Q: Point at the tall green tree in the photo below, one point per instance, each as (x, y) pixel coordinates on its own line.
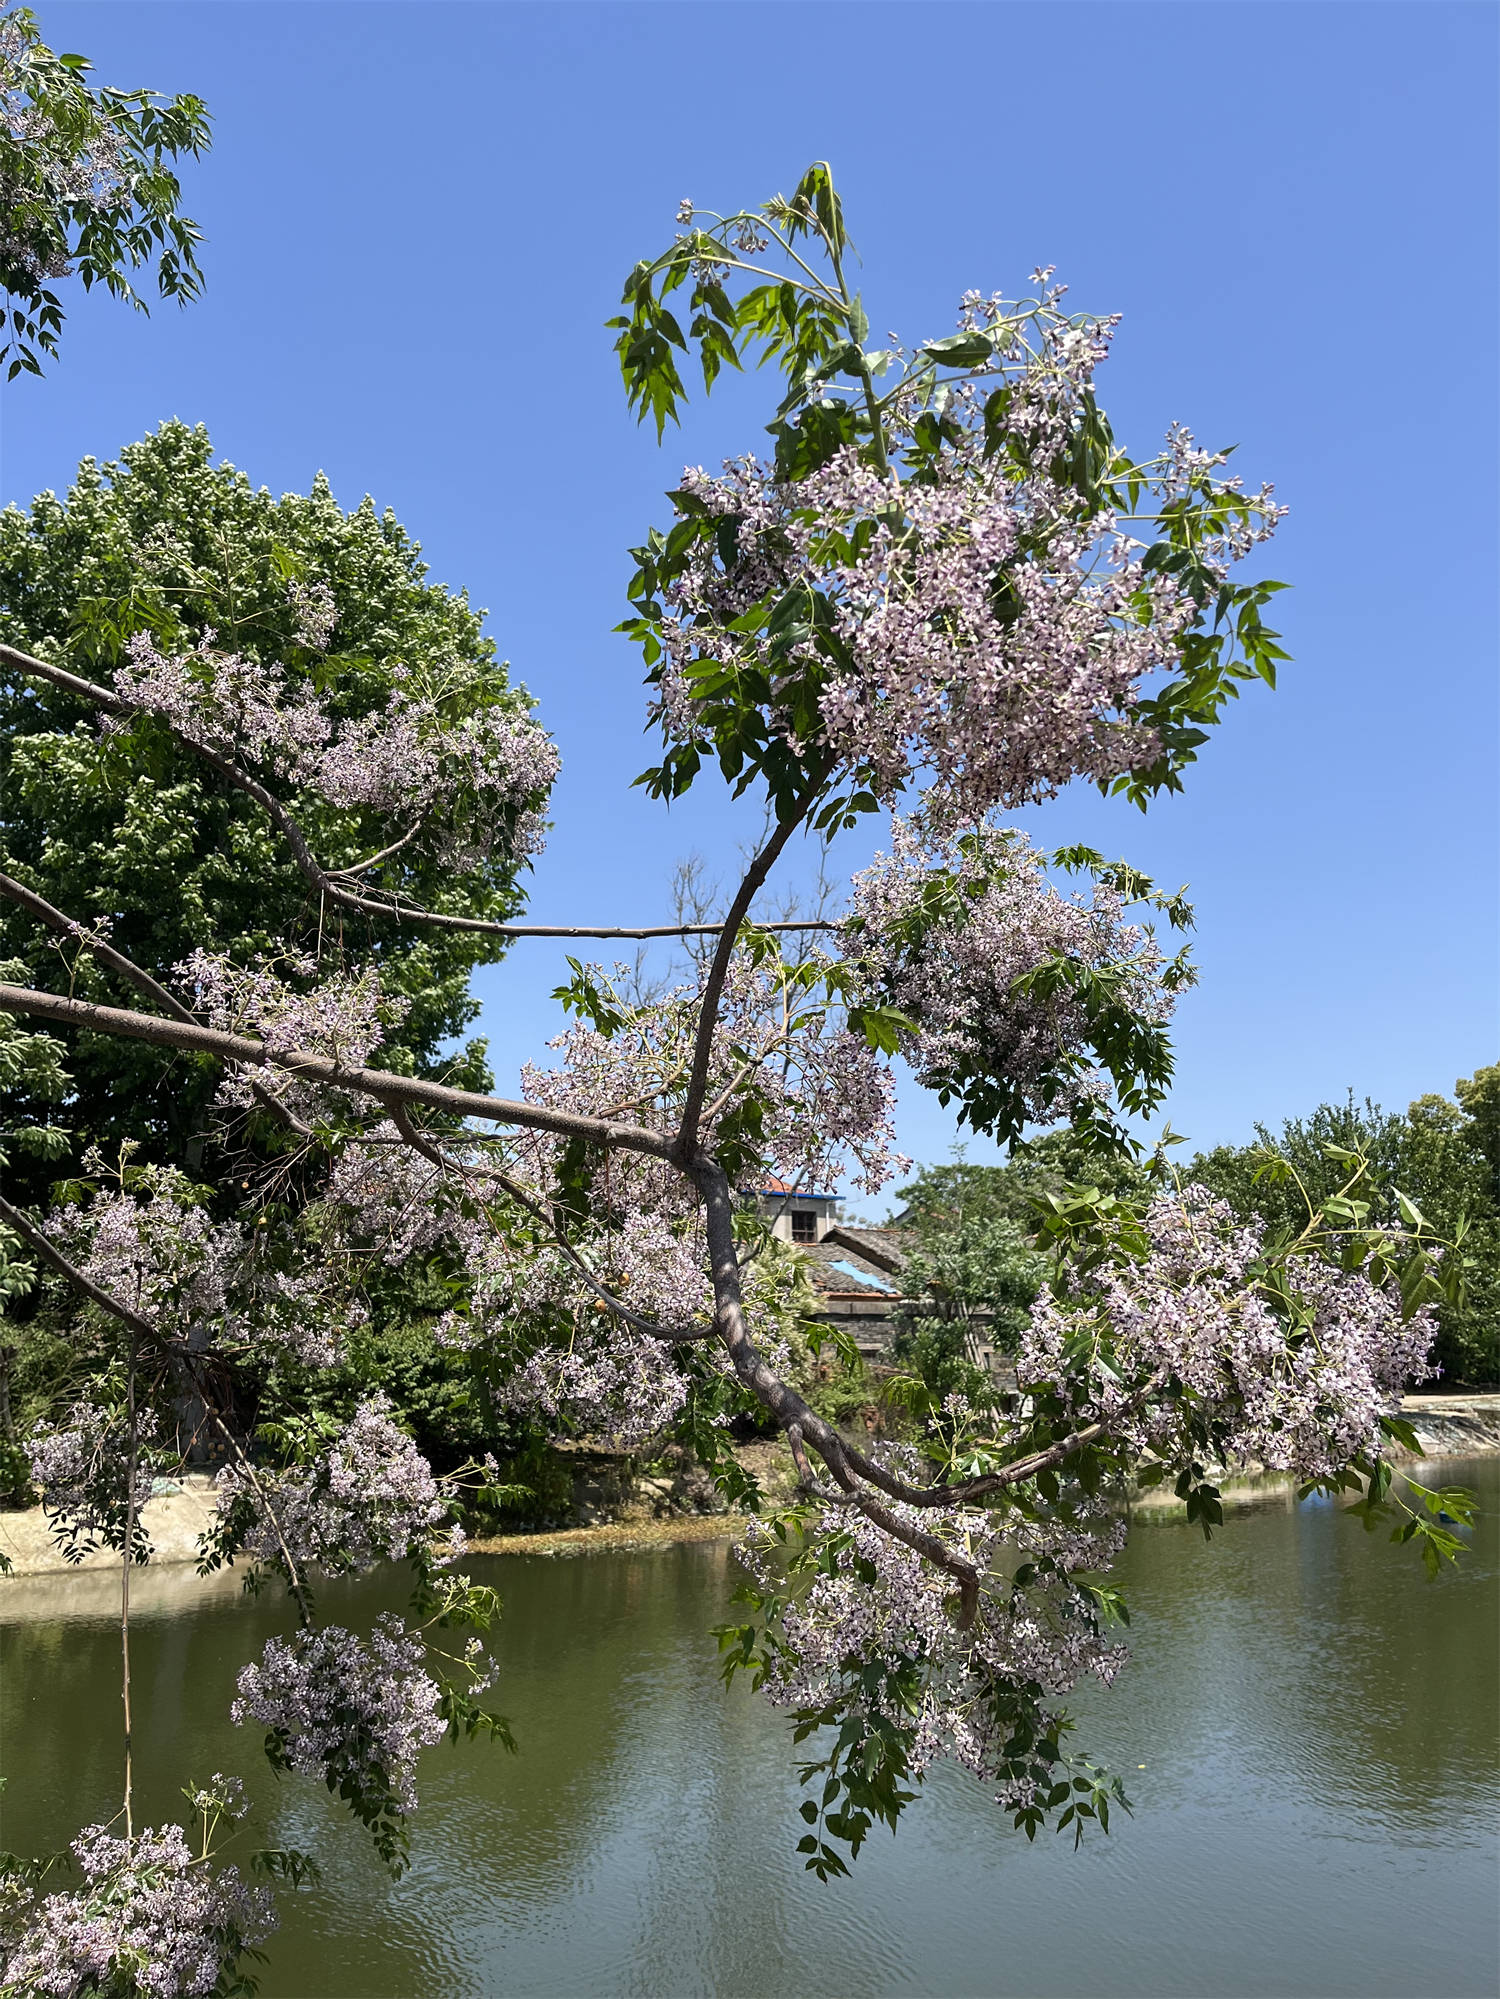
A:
(146, 843)
(1442, 1155)
(973, 1268)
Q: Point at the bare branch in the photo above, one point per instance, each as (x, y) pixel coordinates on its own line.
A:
(328, 881)
(91, 941)
(718, 971)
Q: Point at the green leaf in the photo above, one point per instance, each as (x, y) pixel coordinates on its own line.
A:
(961, 350)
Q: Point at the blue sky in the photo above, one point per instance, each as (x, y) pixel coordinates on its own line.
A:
(418, 215)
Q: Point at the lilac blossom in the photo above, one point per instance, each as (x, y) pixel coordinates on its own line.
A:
(982, 628)
(340, 1015)
(83, 171)
(1303, 1395)
(80, 1466)
(150, 1917)
(203, 1283)
(224, 702)
(162, 1256)
(342, 1708)
(953, 970)
(482, 775)
(608, 1384)
(291, 1006)
(870, 1626)
(826, 1098)
(369, 1497)
(391, 1198)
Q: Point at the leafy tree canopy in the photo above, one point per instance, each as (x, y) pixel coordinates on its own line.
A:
(1441, 1155)
(145, 842)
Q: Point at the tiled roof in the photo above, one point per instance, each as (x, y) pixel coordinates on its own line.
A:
(862, 1263)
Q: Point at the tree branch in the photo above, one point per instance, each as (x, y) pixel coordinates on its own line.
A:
(327, 881)
(420, 1142)
(718, 971)
(98, 947)
(379, 1084)
(89, 940)
(55, 1259)
(143, 1328)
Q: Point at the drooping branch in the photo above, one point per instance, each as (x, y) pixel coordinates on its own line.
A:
(331, 883)
(844, 1460)
(377, 1084)
(56, 1260)
(512, 1188)
(139, 1327)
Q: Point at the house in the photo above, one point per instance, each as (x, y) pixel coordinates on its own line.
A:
(855, 1270)
(794, 1216)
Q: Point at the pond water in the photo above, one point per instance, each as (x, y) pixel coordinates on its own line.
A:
(1317, 1813)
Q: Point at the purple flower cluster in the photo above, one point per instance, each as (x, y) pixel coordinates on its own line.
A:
(953, 969)
(163, 1257)
(984, 627)
(79, 1468)
(339, 1015)
(340, 1706)
(613, 1383)
(1303, 1393)
(483, 775)
(390, 1198)
(825, 1098)
(871, 1622)
(149, 1918)
(1002, 705)
(370, 1497)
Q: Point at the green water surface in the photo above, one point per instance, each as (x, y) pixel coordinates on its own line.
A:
(1317, 1813)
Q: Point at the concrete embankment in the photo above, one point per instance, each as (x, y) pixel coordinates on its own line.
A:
(174, 1517)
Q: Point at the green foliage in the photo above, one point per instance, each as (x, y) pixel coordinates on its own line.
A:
(768, 287)
(1439, 1155)
(87, 188)
(442, 1398)
(974, 1269)
(868, 1727)
(134, 830)
(960, 1192)
(827, 1368)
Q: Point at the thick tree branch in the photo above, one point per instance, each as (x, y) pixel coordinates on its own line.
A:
(718, 971)
(89, 940)
(378, 1084)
